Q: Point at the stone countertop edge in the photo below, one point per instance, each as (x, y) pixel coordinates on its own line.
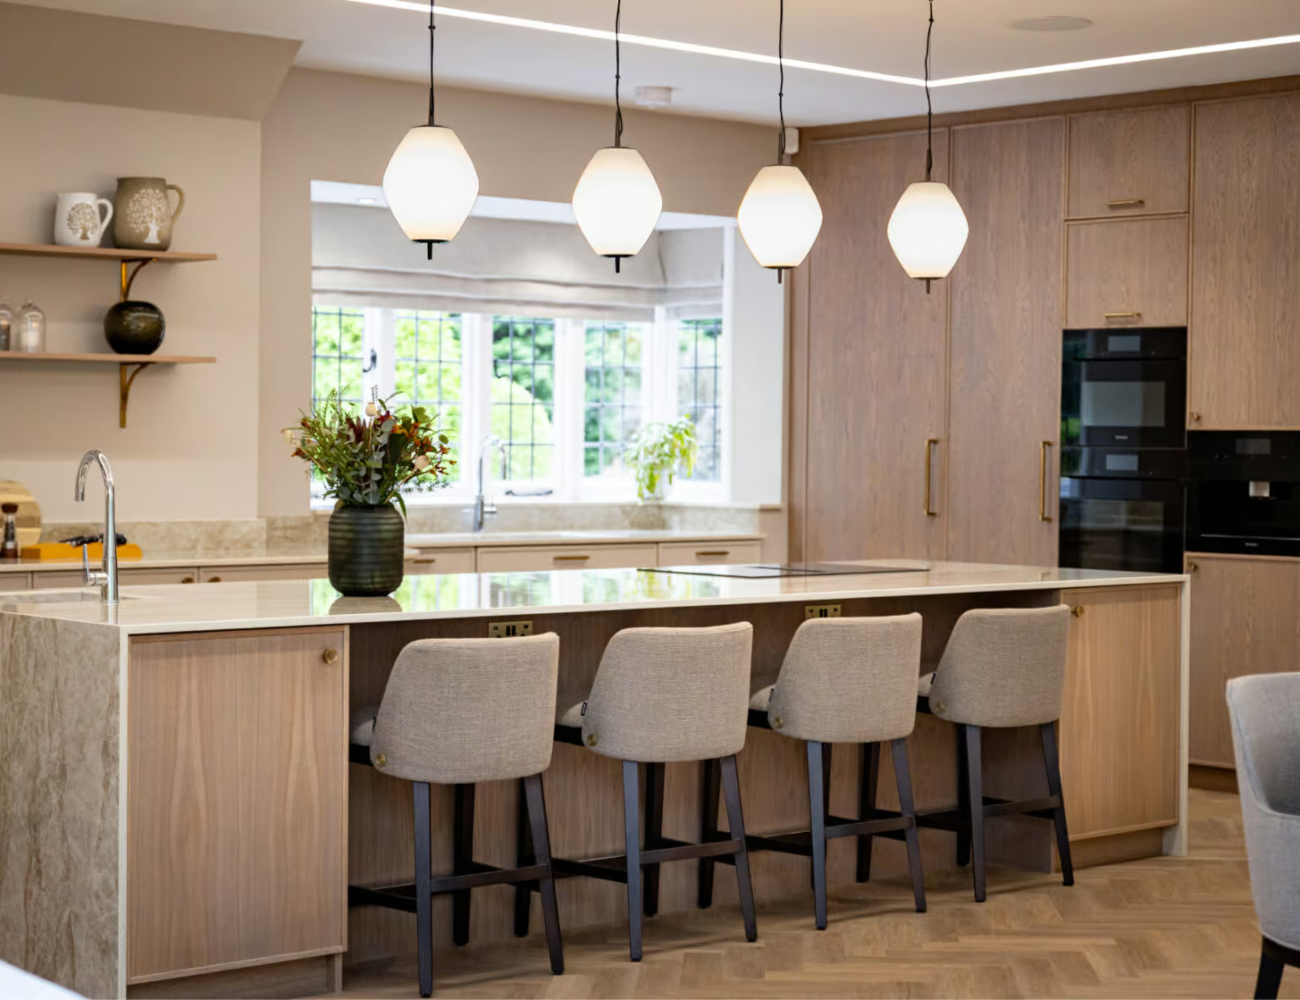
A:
(292, 614)
(414, 544)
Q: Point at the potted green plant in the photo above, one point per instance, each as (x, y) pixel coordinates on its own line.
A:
(656, 454)
(367, 464)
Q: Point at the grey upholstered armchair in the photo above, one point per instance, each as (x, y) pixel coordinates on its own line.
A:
(1265, 712)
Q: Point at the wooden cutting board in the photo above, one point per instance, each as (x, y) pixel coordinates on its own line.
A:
(29, 512)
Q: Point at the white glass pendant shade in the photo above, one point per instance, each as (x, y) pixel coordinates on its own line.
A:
(430, 184)
(780, 217)
(928, 230)
(617, 202)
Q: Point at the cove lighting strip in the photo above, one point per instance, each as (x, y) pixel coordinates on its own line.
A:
(648, 41)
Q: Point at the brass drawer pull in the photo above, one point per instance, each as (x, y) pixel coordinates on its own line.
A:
(721, 553)
(930, 444)
(570, 558)
(214, 579)
(1191, 566)
(1077, 611)
(1042, 482)
(1126, 203)
(330, 657)
(1194, 417)
(187, 579)
(424, 562)
(1122, 315)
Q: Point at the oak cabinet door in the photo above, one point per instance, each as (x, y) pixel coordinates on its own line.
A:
(1129, 273)
(709, 553)
(872, 367)
(1121, 715)
(1244, 621)
(503, 559)
(1129, 162)
(1005, 358)
(1245, 351)
(237, 800)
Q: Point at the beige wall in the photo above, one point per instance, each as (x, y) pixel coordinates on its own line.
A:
(190, 450)
(340, 127)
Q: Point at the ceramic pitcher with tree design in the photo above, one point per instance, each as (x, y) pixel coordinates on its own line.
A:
(143, 215)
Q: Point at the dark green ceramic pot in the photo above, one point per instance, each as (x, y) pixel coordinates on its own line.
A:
(134, 327)
(366, 545)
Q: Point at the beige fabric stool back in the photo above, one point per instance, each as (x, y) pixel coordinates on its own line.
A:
(1003, 667)
(849, 680)
(671, 694)
(461, 711)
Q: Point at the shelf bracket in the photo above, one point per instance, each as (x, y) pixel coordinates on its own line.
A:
(126, 380)
(128, 278)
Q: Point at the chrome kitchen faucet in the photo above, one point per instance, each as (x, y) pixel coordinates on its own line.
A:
(106, 577)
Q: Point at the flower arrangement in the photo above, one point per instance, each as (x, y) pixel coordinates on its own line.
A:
(657, 452)
(373, 460)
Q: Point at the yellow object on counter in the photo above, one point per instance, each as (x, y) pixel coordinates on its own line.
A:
(59, 551)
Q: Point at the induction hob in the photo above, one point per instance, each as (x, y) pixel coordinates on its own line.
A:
(764, 571)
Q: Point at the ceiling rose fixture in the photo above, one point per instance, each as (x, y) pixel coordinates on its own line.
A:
(928, 228)
(780, 216)
(653, 97)
(617, 202)
(430, 184)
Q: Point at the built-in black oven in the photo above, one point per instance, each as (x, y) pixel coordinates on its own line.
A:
(1124, 388)
(1245, 494)
(1122, 509)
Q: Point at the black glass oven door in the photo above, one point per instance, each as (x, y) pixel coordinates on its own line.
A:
(1122, 524)
(1124, 404)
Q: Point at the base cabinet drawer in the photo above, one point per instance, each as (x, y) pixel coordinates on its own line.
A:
(15, 581)
(146, 577)
(440, 561)
(534, 558)
(709, 553)
(237, 574)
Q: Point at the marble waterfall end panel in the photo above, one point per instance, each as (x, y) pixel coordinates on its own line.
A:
(59, 777)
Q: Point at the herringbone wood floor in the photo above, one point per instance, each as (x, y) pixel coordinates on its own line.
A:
(1166, 927)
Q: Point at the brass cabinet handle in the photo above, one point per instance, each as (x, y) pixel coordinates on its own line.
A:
(1194, 417)
(929, 452)
(1042, 482)
(570, 558)
(1191, 566)
(187, 579)
(214, 579)
(719, 554)
(330, 657)
(1077, 611)
(1122, 315)
(424, 562)
(1126, 203)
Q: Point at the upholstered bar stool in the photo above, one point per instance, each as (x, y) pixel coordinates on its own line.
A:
(1003, 668)
(457, 712)
(844, 680)
(663, 695)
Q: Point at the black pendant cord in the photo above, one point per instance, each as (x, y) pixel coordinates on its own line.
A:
(432, 29)
(780, 94)
(618, 77)
(929, 108)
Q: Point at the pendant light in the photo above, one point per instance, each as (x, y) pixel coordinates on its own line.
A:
(430, 184)
(780, 216)
(617, 202)
(928, 228)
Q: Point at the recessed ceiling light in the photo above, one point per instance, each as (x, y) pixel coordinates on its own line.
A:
(654, 97)
(648, 41)
(1057, 22)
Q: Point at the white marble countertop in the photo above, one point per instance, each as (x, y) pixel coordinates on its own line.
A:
(285, 603)
(414, 542)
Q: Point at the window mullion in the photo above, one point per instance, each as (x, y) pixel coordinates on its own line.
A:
(570, 401)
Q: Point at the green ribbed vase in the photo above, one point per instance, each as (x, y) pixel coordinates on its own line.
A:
(365, 554)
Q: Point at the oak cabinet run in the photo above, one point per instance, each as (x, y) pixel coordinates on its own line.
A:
(1128, 273)
(1244, 621)
(1245, 354)
(1131, 162)
(1121, 716)
(237, 811)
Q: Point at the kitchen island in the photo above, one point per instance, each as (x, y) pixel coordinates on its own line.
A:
(177, 811)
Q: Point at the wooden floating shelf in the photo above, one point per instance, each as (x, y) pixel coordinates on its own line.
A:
(100, 253)
(135, 362)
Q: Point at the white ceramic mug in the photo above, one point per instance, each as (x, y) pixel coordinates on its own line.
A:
(77, 222)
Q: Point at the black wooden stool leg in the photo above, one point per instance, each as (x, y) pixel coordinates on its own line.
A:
(541, 839)
(710, 801)
(1269, 980)
(963, 797)
(1053, 762)
(908, 808)
(423, 889)
(632, 840)
(736, 827)
(817, 813)
(523, 858)
(462, 854)
(869, 771)
(654, 832)
(975, 781)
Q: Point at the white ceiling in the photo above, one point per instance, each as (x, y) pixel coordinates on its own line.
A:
(971, 36)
